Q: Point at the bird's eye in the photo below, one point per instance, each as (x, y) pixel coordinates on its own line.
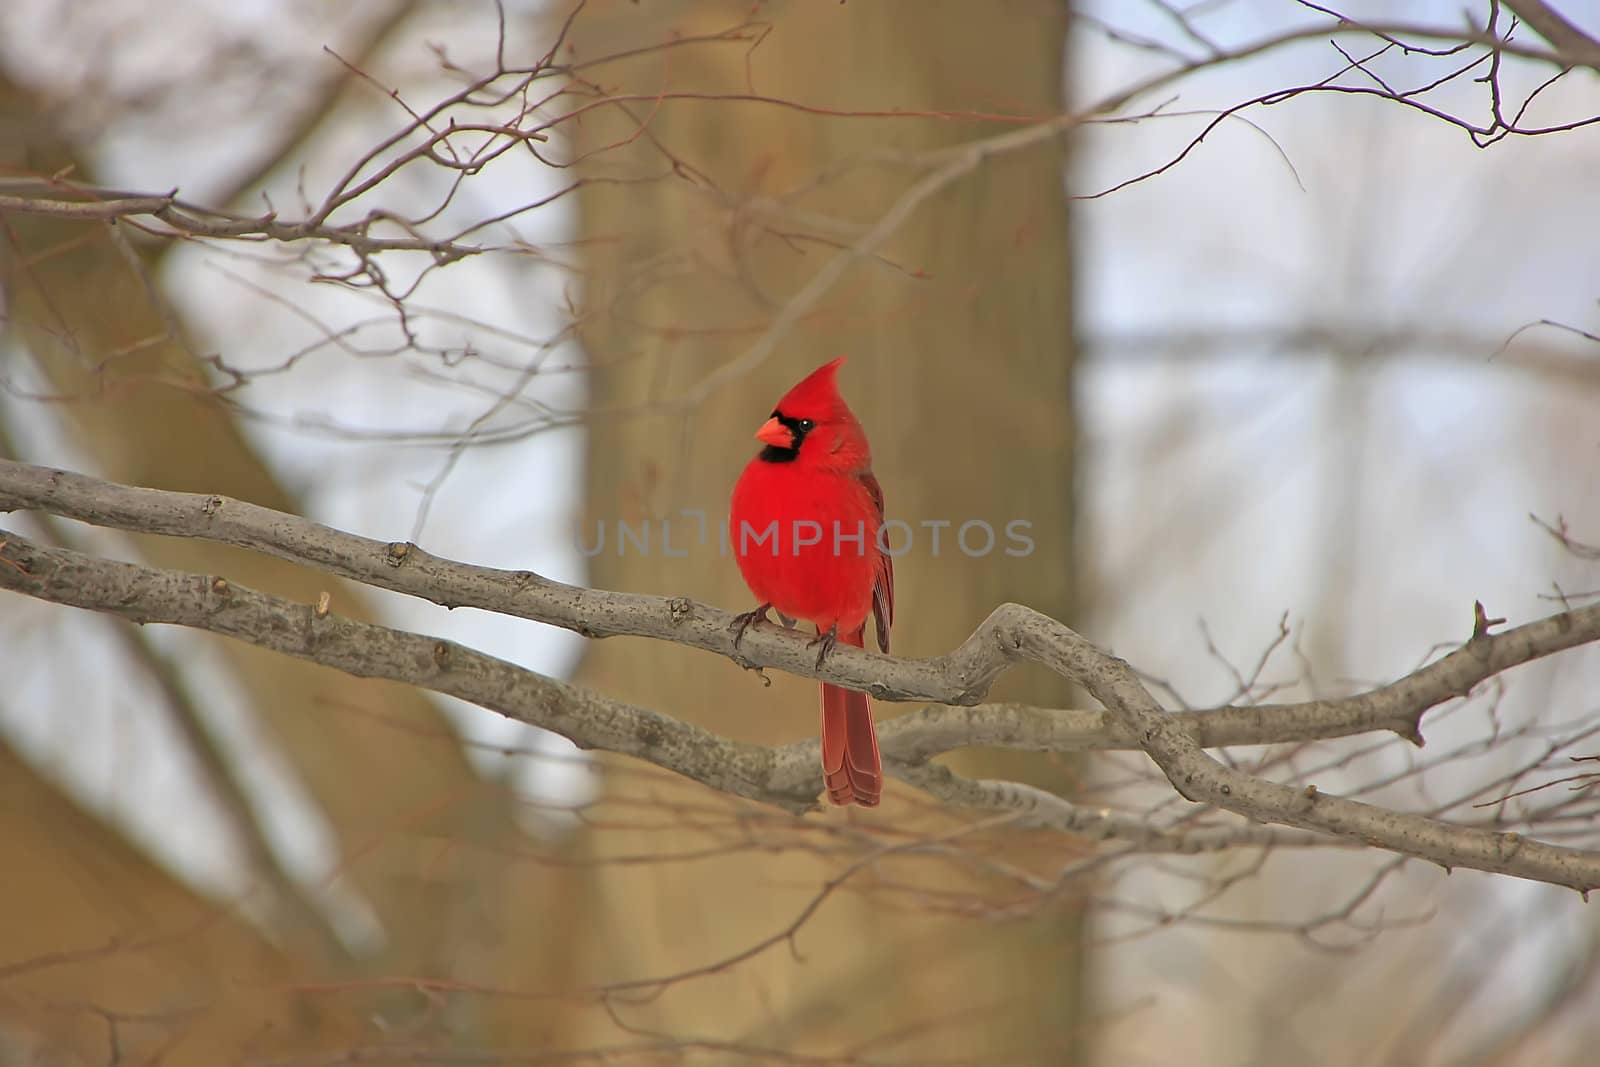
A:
(806, 425)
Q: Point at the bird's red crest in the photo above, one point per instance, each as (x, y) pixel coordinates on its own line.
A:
(816, 396)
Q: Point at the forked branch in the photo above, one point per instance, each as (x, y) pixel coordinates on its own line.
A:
(785, 776)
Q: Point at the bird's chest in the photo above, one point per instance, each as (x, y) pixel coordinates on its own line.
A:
(806, 542)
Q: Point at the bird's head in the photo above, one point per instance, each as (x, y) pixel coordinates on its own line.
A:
(813, 420)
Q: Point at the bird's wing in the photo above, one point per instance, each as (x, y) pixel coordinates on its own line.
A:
(883, 583)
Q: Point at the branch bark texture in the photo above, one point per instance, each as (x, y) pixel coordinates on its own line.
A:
(785, 775)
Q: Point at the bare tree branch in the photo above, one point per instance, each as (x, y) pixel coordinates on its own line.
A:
(467, 130)
(315, 111)
(1045, 809)
(959, 677)
(149, 594)
(1573, 45)
(784, 776)
(194, 220)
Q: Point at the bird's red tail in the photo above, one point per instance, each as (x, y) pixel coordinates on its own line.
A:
(851, 766)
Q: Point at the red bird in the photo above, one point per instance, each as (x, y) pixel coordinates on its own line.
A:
(804, 526)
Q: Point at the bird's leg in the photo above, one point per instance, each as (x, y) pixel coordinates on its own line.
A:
(788, 623)
(827, 640)
(744, 620)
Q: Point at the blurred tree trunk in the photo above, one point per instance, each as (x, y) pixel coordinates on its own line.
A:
(385, 767)
(104, 955)
(960, 337)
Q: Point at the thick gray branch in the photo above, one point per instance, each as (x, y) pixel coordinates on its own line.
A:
(960, 677)
(785, 775)
(1199, 778)
(147, 594)
(1398, 706)
(1044, 809)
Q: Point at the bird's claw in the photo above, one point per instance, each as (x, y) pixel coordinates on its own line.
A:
(744, 620)
(827, 640)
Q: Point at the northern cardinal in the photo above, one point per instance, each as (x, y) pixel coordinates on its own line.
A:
(804, 524)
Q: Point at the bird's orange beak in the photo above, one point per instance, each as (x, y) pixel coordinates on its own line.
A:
(776, 434)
